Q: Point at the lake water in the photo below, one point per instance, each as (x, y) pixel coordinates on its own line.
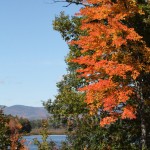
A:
(55, 138)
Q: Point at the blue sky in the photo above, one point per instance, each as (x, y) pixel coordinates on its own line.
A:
(31, 52)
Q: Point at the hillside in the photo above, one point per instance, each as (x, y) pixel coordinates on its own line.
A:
(31, 113)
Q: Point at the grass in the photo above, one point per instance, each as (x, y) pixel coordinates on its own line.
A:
(58, 131)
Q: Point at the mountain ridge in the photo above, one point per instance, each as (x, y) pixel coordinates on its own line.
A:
(29, 112)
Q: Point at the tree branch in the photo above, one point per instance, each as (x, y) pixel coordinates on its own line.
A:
(68, 1)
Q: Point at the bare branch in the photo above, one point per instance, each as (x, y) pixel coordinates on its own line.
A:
(68, 1)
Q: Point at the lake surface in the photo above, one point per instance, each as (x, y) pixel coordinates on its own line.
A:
(55, 138)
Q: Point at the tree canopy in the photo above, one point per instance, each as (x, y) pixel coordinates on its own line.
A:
(108, 74)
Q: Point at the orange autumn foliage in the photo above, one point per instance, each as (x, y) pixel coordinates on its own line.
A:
(15, 136)
(108, 57)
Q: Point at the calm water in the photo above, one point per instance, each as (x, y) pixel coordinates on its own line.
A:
(55, 138)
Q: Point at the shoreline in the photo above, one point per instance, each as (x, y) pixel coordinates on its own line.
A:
(50, 132)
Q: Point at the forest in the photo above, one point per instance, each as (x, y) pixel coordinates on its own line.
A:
(103, 101)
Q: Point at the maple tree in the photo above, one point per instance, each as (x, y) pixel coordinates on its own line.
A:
(69, 107)
(10, 138)
(115, 61)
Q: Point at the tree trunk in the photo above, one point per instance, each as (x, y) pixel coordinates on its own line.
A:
(143, 145)
(143, 134)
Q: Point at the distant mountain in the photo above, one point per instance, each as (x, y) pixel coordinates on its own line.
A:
(31, 113)
(2, 106)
